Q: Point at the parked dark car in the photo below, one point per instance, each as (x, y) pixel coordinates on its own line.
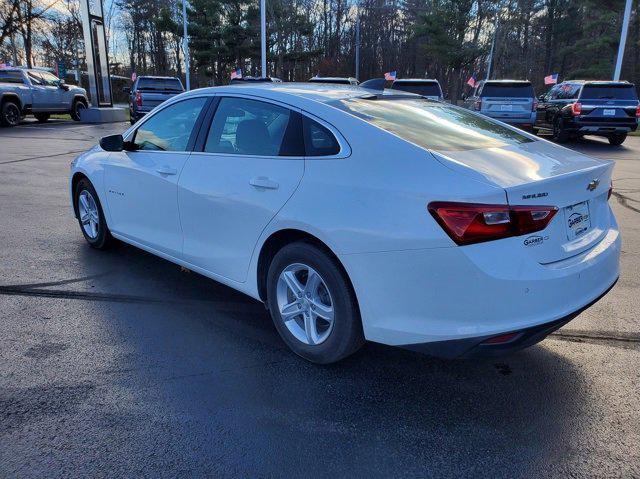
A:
(576, 108)
(510, 101)
(335, 80)
(148, 92)
(427, 87)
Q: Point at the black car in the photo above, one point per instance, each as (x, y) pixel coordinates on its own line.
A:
(576, 108)
(148, 92)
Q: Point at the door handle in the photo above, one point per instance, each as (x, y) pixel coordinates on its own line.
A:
(166, 170)
(264, 182)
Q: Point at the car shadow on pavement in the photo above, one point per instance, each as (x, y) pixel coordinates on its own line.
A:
(227, 372)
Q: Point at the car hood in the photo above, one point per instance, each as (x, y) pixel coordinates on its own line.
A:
(512, 165)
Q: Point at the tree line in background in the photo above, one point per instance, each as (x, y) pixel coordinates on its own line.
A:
(444, 39)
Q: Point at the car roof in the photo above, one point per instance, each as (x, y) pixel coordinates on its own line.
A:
(157, 77)
(599, 82)
(506, 81)
(416, 80)
(319, 92)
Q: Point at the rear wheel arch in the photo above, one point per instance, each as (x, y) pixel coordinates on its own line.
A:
(278, 240)
(12, 98)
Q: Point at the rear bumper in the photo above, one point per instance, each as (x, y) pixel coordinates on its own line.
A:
(519, 121)
(414, 297)
(477, 347)
(605, 127)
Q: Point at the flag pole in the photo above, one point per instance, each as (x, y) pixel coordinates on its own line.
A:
(185, 44)
(263, 36)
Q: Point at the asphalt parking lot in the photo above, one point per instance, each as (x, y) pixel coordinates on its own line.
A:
(119, 364)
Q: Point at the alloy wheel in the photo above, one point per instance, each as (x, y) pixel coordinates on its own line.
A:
(305, 304)
(12, 114)
(89, 216)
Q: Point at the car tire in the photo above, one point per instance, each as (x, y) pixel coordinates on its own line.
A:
(617, 139)
(559, 133)
(90, 216)
(10, 114)
(42, 117)
(308, 332)
(77, 106)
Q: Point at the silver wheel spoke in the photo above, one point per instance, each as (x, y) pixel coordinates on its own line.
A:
(89, 215)
(322, 310)
(290, 311)
(313, 282)
(310, 329)
(293, 283)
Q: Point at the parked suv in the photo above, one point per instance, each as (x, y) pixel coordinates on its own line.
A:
(148, 92)
(37, 92)
(575, 108)
(510, 101)
(428, 88)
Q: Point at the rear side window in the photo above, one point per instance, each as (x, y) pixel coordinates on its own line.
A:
(250, 127)
(419, 88)
(568, 91)
(11, 77)
(609, 92)
(508, 90)
(161, 84)
(170, 128)
(318, 140)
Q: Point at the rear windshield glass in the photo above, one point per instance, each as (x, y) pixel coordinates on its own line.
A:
(11, 77)
(419, 88)
(431, 124)
(609, 92)
(163, 84)
(508, 90)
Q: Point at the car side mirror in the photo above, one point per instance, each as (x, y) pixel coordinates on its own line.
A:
(63, 85)
(126, 90)
(112, 143)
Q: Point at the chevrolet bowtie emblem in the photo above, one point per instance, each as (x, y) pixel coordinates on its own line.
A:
(593, 184)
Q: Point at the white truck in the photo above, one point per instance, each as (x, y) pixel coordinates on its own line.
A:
(37, 92)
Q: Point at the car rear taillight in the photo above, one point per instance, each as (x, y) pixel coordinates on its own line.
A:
(138, 98)
(576, 108)
(468, 223)
(477, 105)
(638, 111)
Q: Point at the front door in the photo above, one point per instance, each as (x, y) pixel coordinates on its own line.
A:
(253, 161)
(141, 185)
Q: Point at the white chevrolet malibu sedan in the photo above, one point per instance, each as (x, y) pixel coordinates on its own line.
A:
(359, 215)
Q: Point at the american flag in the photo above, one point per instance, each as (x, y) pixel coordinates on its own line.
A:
(551, 79)
(472, 81)
(237, 73)
(391, 76)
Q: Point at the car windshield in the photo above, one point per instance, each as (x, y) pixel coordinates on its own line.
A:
(163, 84)
(609, 92)
(432, 125)
(508, 90)
(419, 88)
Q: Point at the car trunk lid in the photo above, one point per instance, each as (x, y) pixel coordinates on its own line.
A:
(541, 174)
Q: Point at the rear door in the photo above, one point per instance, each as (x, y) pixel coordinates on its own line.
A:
(507, 100)
(141, 185)
(251, 162)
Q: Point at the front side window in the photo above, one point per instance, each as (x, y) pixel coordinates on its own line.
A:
(432, 125)
(170, 128)
(250, 127)
(49, 79)
(35, 77)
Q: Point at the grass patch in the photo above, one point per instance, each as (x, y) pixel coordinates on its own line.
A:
(635, 133)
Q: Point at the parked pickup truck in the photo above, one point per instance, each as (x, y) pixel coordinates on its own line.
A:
(27, 91)
(148, 92)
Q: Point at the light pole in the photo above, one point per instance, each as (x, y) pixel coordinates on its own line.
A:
(263, 37)
(493, 45)
(185, 43)
(623, 40)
